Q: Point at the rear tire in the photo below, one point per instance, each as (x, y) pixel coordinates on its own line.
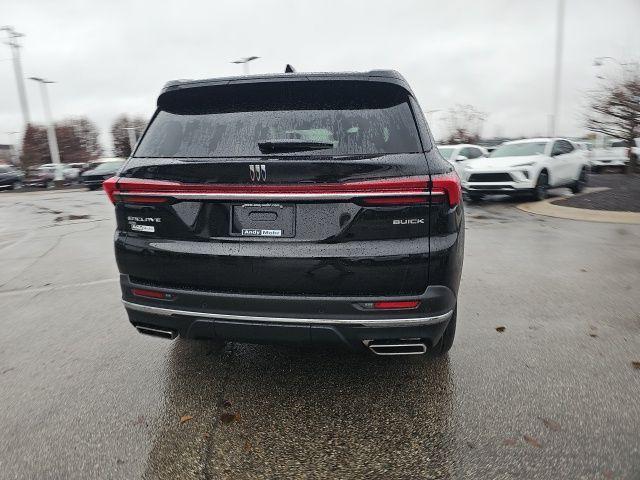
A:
(540, 191)
(580, 183)
(446, 342)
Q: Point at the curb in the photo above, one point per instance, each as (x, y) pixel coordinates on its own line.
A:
(546, 208)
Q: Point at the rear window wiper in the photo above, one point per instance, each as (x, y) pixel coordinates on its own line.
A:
(292, 145)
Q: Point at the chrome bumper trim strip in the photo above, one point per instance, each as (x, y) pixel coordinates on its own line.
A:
(384, 322)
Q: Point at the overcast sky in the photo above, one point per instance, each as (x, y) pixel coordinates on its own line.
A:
(111, 57)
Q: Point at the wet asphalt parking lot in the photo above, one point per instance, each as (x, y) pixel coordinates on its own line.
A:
(553, 396)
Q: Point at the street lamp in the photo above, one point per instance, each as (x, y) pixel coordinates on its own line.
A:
(51, 131)
(557, 74)
(245, 63)
(17, 68)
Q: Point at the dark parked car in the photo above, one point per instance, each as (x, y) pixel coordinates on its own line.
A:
(41, 176)
(304, 208)
(93, 178)
(10, 177)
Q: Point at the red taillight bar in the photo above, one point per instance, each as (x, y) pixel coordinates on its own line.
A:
(109, 186)
(447, 184)
(383, 201)
(406, 187)
(399, 185)
(388, 191)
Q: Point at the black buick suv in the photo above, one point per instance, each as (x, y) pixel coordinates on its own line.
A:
(301, 208)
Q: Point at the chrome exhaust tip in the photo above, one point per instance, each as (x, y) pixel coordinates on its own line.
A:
(157, 332)
(411, 346)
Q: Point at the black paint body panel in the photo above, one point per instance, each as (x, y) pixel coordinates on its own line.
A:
(329, 249)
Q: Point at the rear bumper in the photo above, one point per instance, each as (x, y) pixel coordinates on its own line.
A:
(290, 319)
(520, 181)
(502, 187)
(613, 162)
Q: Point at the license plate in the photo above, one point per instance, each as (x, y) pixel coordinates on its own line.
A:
(263, 220)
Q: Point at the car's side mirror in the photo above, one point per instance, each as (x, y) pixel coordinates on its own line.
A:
(461, 158)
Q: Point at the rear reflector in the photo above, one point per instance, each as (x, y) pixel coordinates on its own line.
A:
(447, 184)
(139, 292)
(400, 305)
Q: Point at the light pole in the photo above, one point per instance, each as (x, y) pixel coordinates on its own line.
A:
(51, 131)
(558, 69)
(245, 63)
(17, 68)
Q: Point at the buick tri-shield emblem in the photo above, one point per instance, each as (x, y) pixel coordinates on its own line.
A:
(258, 172)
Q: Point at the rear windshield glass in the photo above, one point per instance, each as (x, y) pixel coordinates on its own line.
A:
(446, 152)
(346, 117)
(522, 149)
(107, 167)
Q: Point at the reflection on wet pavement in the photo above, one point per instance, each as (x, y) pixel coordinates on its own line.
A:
(296, 413)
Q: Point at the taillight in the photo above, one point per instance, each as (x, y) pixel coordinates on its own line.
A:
(446, 184)
(382, 192)
(383, 186)
(109, 186)
(392, 201)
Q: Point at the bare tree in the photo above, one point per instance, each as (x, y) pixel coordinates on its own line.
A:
(465, 124)
(120, 134)
(35, 148)
(614, 110)
(88, 133)
(78, 140)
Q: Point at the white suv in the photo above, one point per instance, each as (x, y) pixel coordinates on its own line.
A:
(527, 166)
(612, 153)
(460, 155)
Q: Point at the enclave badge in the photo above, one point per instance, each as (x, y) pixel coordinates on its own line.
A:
(258, 172)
